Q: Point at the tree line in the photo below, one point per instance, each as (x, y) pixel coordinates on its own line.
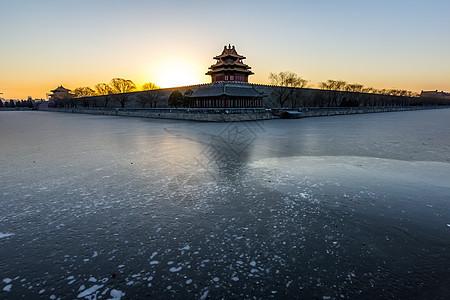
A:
(286, 91)
(117, 89)
(19, 103)
(116, 86)
(341, 85)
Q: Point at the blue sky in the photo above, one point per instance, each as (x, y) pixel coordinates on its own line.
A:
(384, 44)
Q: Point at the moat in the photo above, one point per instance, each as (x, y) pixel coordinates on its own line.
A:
(341, 207)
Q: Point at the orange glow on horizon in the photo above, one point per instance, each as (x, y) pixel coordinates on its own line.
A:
(177, 73)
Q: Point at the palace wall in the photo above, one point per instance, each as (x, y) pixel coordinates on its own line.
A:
(297, 99)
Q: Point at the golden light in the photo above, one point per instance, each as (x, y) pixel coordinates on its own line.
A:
(177, 73)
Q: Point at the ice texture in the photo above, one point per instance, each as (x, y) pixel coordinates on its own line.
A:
(320, 208)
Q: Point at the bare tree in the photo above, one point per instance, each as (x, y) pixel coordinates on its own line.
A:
(148, 97)
(121, 87)
(148, 86)
(83, 92)
(354, 87)
(102, 89)
(333, 85)
(284, 86)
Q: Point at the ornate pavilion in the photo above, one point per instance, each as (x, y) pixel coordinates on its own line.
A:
(229, 87)
(60, 93)
(229, 67)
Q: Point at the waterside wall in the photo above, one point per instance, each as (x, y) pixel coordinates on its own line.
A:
(234, 115)
(335, 111)
(206, 115)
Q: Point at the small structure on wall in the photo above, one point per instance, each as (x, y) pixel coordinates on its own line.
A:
(435, 94)
(60, 93)
(229, 87)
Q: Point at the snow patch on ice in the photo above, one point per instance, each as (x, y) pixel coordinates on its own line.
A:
(205, 294)
(90, 290)
(7, 288)
(116, 295)
(173, 269)
(3, 235)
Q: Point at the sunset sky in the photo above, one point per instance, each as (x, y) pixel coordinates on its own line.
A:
(400, 44)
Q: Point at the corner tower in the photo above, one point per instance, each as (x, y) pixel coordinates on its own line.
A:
(229, 67)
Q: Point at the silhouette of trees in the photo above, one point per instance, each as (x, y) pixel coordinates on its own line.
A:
(120, 87)
(83, 92)
(284, 86)
(148, 97)
(176, 99)
(333, 85)
(103, 89)
(148, 86)
(353, 99)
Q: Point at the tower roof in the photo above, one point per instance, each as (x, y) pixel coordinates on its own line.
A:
(230, 51)
(229, 62)
(60, 89)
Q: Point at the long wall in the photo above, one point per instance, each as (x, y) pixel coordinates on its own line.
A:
(296, 99)
(233, 115)
(193, 114)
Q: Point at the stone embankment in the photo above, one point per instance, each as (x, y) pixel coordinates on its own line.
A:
(333, 111)
(233, 114)
(193, 114)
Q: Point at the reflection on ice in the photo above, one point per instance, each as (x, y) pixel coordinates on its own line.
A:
(356, 170)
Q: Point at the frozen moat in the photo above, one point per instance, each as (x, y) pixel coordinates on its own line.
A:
(97, 207)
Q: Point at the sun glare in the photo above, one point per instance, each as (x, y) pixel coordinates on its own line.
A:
(173, 74)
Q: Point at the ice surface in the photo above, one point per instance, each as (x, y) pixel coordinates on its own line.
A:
(308, 208)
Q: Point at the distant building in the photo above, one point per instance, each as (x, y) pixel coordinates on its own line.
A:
(60, 93)
(229, 87)
(44, 104)
(435, 94)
